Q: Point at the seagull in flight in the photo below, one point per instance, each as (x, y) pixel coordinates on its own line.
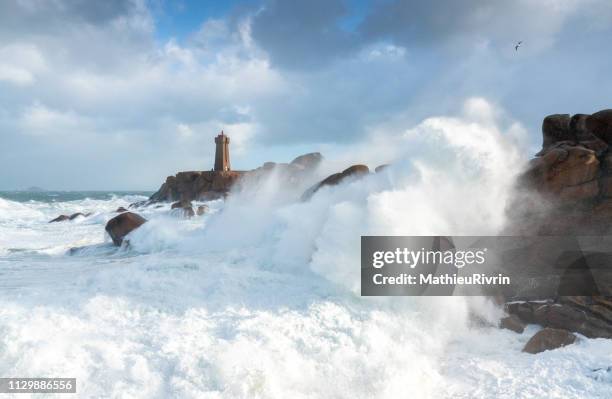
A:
(518, 45)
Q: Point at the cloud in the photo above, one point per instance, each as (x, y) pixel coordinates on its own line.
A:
(100, 86)
(40, 120)
(19, 64)
(104, 93)
(303, 34)
(33, 17)
(472, 23)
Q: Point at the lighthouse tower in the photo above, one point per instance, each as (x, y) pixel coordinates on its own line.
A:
(222, 160)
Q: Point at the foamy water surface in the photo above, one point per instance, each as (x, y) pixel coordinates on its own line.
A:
(259, 298)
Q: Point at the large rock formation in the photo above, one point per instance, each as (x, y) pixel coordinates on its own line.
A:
(192, 186)
(567, 190)
(209, 185)
(571, 178)
(121, 225)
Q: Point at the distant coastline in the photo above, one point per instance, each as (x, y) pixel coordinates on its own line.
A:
(67, 195)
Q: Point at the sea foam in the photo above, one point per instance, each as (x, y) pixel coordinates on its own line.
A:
(260, 297)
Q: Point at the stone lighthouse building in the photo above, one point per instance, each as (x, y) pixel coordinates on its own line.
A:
(222, 159)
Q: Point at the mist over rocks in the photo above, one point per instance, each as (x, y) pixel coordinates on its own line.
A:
(185, 208)
(566, 190)
(211, 185)
(354, 171)
(567, 187)
(381, 168)
(307, 161)
(513, 323)
(201, 210)
(196, 185)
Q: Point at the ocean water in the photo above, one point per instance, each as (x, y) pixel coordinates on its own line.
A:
(259, 298)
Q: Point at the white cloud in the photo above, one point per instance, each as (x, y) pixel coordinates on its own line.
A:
(38, 119)
(69, 69)
(19, 63)
(384, 51)
(15, 75)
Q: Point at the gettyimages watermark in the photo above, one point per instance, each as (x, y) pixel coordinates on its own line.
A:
(516, 267)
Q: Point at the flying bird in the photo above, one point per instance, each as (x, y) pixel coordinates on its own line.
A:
(518, 45)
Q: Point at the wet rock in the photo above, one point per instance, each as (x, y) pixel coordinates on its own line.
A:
(355, 171)
(307, 161)
(566, 173)
(513, 323)
(139, 204)
(212, 185)
(191, 186)
(181, 204)
(584, 136)
(605, 185)
(380, 168)
(556, 128)
(185, 207)
(600, 124)
(549, 339)
(62, 218)
(589, 316)
(123, 224)
(202, 209)
(579, 192)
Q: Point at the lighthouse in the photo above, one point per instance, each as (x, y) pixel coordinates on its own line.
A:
(222, 160)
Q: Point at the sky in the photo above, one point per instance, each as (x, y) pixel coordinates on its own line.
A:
(116, 95)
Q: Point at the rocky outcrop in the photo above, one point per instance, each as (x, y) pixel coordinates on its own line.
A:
(62, 218)
(181, 205)
(202, 209)
(548, 339)
(290, 175)
(566, 173)
(210, 185)
(185, 207)
(589, 316)
(600, 124)
(195, 186)
(123, 224)
(355, 172)
(556, 128)
(566, 190)
(307, 161)
(567, 187)
(513, 323)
